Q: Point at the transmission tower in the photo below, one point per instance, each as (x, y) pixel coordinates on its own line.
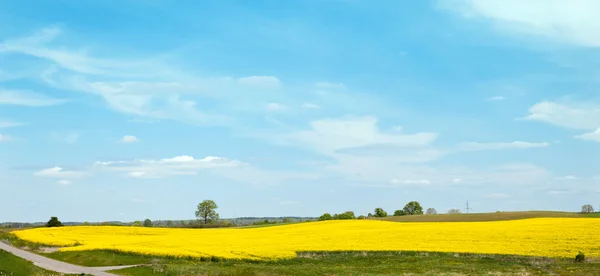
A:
(468, 207)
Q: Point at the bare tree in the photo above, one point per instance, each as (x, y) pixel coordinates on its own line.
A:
(431, 211)
(586, 209)
(454, 211)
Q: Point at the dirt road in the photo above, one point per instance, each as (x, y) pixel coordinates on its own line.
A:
(58, 266)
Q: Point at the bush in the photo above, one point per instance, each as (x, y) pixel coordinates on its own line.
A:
(361, 217)
(398, 213)
(54, 222)
(380, 213)
(345, 215)
(580, 257)
(326, 216)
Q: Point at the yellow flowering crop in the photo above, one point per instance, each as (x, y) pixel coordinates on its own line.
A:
(552, 237)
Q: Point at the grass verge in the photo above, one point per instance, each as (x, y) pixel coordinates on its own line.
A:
(375, 263)
(11, 265)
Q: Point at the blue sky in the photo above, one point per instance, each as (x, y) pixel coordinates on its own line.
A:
(125, 110)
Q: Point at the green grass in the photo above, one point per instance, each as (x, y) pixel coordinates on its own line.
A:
(98, 258)
(375, 263)
(15, 266)
(488, 216)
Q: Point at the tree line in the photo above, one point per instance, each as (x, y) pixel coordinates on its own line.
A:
(411, 208)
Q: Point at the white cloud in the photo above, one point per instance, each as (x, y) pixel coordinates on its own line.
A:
(188, 165)
(179, 165)
(5, 138)
(129, 139)
(353, 134)
(276, 106)
(58, 172)
(475, 146)
(65, 182)
(567, 177)
(26, 98)
(310, 106)
(574, 115)
(330, 85)
(495, 98)
(567, 21)
(496, 195)
(7, 124)
(261, 81)
(410, 182)
(590, 136)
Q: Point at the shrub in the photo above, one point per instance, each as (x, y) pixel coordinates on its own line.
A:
(361, 217)
(345, 215)
(380, 213)
(580, 257)
(54, 222)
(398, 213)
(326, 216)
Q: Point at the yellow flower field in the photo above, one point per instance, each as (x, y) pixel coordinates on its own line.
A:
(552, 237)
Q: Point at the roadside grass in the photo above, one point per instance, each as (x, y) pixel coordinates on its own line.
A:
(375, 263)
(98, 258)
(11, 265)
(479, 217)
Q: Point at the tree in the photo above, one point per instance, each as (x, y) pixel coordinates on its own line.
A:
(369, 215)
(413, 208)
(454, 211)
(345, 215)
(380, 213)
(207, 211)
(586, 209)
(431, 211)
(361, 217)
(326, 216)
(398, 213)
(138, 223)
(54, 222)
(147, 223)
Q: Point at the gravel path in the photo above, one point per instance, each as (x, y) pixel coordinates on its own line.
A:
(58, 266)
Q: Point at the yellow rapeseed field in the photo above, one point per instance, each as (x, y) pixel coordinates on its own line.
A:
(552, 237)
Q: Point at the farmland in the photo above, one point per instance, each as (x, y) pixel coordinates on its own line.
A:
(548, 237)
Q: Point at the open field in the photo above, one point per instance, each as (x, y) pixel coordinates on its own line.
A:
(475, 217)
(550, 237)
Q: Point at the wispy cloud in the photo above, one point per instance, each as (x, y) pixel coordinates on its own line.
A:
(276, 107)
(5, 138)
(475, 146)
(128, 139)
(261, 81)
(495, 98)
(27, 98)
(68, 137)
(7, 124)
(571, 22)
(58, 172)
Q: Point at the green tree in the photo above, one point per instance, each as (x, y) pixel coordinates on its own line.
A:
(54, 222)
(413, 208)
(326, 216)
(345, 215)
(380, 213)
(361, 217)
(147, 223)
(398, 213)
(207, 211)
(138, 223)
